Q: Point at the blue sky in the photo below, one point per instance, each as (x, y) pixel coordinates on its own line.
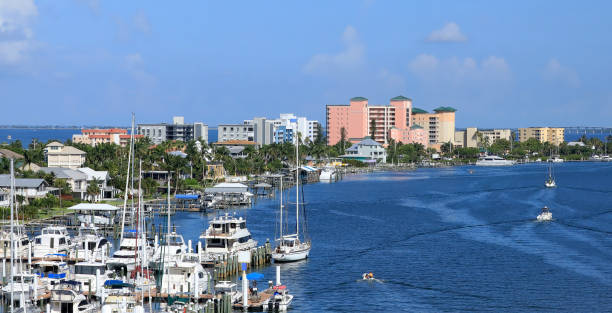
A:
(501, 64)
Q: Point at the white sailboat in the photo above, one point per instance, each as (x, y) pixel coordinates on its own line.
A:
(290, 247)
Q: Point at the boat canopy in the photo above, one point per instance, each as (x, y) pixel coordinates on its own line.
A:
(187, 197)
(254, 276)
(93, 207)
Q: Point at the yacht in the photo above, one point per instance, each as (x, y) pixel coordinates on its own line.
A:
(290, 247)
(86, 274)
(51, 269)
(22, 283)
(52, 239)
(20, 238)
(67, 297)
(130, 250)
(493, 160)
(89, 244)
(545, 215)
(184, 276)
(228, 287)
(556, 159)
(226, 234)
(171, 249)
(328, 174)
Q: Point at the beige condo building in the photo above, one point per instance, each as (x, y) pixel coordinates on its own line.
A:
(469, 137)
(554, 135)
(439, 126)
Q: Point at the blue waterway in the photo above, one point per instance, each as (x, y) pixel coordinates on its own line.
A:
(445, 240)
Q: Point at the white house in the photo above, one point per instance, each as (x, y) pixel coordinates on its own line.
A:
(368, 151)
(106, 191)
(29, 188)
(77, 180)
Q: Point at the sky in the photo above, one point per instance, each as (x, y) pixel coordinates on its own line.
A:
(499, 63)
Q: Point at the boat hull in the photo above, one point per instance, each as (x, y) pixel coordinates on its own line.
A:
(290, 256)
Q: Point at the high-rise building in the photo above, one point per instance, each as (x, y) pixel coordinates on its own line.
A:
(470, 137)
(397, 121)
(287, 126)
(178, 130)
(556, 136)
(245, 131)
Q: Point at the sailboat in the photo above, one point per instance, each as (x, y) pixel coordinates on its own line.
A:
(289, 246)
(550, 182)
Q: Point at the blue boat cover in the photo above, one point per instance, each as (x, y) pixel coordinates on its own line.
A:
(254, 276)
(187, 197)
(57, 276)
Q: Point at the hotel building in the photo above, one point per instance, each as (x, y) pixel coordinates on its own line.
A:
(94, 137)
(468, 138)
(556, 136)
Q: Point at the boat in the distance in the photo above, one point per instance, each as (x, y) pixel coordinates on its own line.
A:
(494, 160)
(550, 181)
(329, 174)
(545, 215)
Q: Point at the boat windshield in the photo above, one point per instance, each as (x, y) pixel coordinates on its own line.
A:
(88, 269)
(175, 240)
(88, 232)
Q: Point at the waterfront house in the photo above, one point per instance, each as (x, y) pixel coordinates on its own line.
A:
(59, 155)
(29, 188)
(77, 180)
(102, 178)
(367, 150)
(4, 198)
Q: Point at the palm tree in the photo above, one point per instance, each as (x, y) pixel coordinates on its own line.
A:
(93, 189)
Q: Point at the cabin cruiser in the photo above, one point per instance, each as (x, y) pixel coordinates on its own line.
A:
(67, 297)
(121, 303)
(23, 283)
(51, 269)
(228, 287)
(280, 300)
(226, 234)
(493, 160)
(184, 276)
(556, 160)
(20, 237)
(52, 239)
(86, 274)
(130, 249)
(328, 174)
(545, 215)
(89, 244)
(171, 248)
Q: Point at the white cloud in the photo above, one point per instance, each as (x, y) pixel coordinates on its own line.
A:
(15, 31)
(351, 58)
(141, 22)
(556, 72)
(449, 33)
(459, 71)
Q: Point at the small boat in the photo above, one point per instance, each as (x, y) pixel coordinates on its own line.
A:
(66, 296)
(545, 215)
(493, 160)
(328, 174)
(280, 300)
(228, 287)
(550, 181)
(368, 276)
(89, 244)
(556, 159)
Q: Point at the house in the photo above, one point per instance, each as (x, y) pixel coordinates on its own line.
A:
(6, 153)
(77, 180)
(367, 150)
(29, 188)
(59, 155)
(215, 171)
(102, 177)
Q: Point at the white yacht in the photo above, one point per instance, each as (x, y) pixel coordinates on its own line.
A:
(89, 244)
(290, 247)
(171, 248)
(86, 273)
(130, 250)
(65, 299)
(23, 283)
(52, 239)
(121, 304)
(494, 160)
(51, 269)
(184, 276)
(545, 215)
(20, 238)
(328, 174)
(226, 234)
(556, 159)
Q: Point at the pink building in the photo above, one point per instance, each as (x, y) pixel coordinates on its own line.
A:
(380, 122)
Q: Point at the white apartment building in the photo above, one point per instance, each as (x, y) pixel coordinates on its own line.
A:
(245, 131)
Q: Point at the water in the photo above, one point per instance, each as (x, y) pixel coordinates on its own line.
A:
(444, 240)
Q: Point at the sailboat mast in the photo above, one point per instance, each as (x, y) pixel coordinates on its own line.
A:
(297, 186)
(127, 179)
(12, 200)
(281, 208)
(168, 204)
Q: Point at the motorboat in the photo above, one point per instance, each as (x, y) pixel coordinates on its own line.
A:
(545, 215)
(24, 283)
(184, 276)
(226, 234)
(228, 287)
(280, 300)
(52, 239)
(91, 275)
(20, 239)
(328, 174)
(171, 248)
(67, 297)
(89, 244)
(119, 298)
(556, 159)
(130, 251)
(51, 269)
(368, 276)
(494, 160)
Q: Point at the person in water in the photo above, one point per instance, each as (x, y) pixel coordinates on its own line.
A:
(367, 276)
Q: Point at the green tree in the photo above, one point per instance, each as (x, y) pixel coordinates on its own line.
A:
(373, 129)
(93, 189)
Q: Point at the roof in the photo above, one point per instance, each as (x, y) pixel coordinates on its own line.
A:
(91, 174)
(62, 172)
(55, 144)
(418, 111)
(234, 142)
(64, 150)
(93, 207)
(178, 153)
(445, 109)
(105, 131)
(415, 126)
(10, 154)
(359, 99)
(230, 185)
(400, 98)
(235, 149)
(368, 142)
(5, 181)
